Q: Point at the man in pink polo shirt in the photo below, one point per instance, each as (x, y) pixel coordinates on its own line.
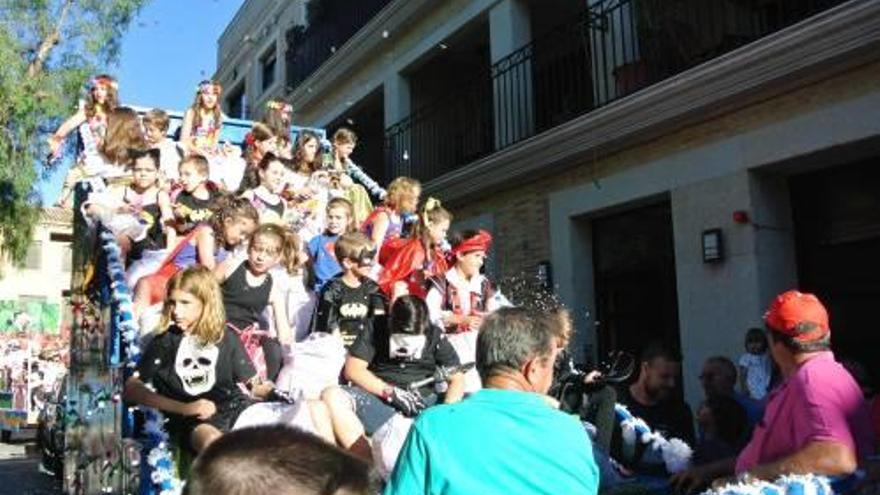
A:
(816, 420)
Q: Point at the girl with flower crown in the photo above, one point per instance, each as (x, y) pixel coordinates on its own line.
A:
(91, 118)
(200, 134)
(277, 118)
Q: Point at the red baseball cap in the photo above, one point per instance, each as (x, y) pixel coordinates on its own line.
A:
(792, 308)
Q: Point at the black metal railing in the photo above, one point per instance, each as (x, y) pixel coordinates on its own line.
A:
(611, 50)
(311, 46)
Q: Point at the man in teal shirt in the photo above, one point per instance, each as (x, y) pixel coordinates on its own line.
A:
(507, 438)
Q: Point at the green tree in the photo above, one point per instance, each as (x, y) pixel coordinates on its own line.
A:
(48, 49)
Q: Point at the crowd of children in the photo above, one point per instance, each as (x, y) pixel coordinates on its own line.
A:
(243, 262)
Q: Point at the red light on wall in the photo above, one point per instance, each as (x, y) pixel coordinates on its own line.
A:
(741, 217)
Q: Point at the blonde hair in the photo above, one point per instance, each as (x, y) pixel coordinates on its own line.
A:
(199, 282)
(431, 214)
(349, 210)
(399, 188)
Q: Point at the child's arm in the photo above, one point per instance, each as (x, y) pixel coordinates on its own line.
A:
(279, 309)
(166, 213)
(75, 120)
(186, 130)
(205, 244)
(327, 315)
(380, 228)
(137, 392)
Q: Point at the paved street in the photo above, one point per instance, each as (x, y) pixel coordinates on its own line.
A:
(19, 473)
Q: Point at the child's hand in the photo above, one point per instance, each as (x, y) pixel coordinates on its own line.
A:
(263, 389)
(201, 409)
(474, 322)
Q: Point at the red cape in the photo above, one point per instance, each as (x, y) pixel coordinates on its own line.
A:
(404, 260)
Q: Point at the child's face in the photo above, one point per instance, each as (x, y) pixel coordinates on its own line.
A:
(186, 309)
(756, 346)
(154, 134)
(209, 99)
(337, 220)
(99, 94)
(144, 172)
(470, 263)
(273, 177)
(238, 229)
(190, 177)
(264, 252)
(310, 150)
(437, 231)
(343, 150)
(409, 202)
(361, 268)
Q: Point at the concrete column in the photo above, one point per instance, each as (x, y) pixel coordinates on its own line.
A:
(509, 30)
(398, 105)
(718, 302)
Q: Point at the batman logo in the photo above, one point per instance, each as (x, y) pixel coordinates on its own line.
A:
(353, 310)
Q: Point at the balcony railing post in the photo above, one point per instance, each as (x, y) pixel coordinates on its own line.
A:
(512, 95)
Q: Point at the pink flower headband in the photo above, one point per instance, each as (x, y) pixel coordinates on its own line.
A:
(284, 108)
(106, 81)
(209, 86)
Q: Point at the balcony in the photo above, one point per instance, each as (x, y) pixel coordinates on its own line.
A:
(612, 50)
(331, 23)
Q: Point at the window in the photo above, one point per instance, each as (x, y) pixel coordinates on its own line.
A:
(60, 237)
(67, 260)
(236, 103)
(267, 68)
(34, 256)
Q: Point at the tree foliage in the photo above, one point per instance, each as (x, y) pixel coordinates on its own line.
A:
(48, 49)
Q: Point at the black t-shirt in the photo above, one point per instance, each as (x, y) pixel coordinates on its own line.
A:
(349, 309)
(181, 369)
(244, 304)
(372, 346)
(672, 418)
(196, 210)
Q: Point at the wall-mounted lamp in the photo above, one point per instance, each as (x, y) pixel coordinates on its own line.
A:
(713, 246)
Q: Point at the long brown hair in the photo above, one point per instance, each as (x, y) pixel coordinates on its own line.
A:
(124, 134)
(112, 95)
(197, 104)
(299, 163)
(277, 118)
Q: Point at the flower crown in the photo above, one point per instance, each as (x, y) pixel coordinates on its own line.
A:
(282, 107)
(106, 81)
(209, 86)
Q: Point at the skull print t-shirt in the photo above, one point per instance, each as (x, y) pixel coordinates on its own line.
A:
(182, 369)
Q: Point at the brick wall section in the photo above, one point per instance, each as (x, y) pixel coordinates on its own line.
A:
(521, 212)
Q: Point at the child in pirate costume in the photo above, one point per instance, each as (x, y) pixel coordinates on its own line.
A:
(351, 300)
(459, 299)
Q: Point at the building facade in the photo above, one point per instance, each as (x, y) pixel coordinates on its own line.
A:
(669, 164)
(40, 287)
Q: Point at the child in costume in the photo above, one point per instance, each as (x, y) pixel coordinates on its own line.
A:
(90, 119)
(200, 133)
(290, 276)
(340, 182)
(248, 289)
(386, 220)
(351, 300)
(407, 264)
(156, 124)
(277, 118)
(259, 141)
(266, 197)
(321, 248)
(136, 213)
(302, 193)
(458, 299)
(194, 199)
(194, 364)
(209, 245)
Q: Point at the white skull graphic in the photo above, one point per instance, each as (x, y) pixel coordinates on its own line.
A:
(195, 365)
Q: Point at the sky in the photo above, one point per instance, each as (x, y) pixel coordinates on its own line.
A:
(168, 49)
